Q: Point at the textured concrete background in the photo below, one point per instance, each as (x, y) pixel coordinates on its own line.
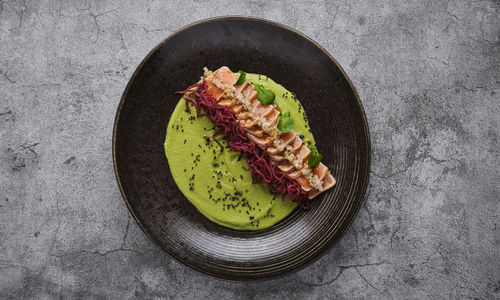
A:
(428, 73)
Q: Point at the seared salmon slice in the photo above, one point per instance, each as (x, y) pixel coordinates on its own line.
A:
(257, 133)
(226, 103)
(295, 174)
(288, 137)
(295, 144)
(304, 154)
(304, 183)
(237, 109)
(321, 170)
(242, 87)
(244, 115)
(286, 167)
(262, 142)
(272, 118)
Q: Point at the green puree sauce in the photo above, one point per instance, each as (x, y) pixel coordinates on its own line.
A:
(216, 183)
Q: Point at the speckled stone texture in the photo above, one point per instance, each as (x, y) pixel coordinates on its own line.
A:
(428, 73)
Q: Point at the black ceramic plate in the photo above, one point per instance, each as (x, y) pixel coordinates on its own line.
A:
(337, 120)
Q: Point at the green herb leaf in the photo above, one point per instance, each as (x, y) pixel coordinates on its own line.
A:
(242, 78)
(265, 96)
(285, 122)
(315, 157)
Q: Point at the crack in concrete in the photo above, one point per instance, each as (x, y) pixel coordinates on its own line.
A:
(364, 265)
(472, 89)
(123, 46)
(106, 12)
(126, 231)
(438, 60)
(95, 21)
(366, 280)
(24, 147)
(369, 216)
(355, 233)
(56, 232)
(395, 231)
(147, 31)
(434, 159)
(436, 250)
(450, 14)
(30, 148)
(8, 78)
(332, 19)
(115, 250)
(98, 33)
(69, 160)
(48, 84)
(9, 112)
(104, 254)
(21, 14)
(342, 268)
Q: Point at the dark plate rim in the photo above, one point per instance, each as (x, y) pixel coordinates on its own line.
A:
(326, 246)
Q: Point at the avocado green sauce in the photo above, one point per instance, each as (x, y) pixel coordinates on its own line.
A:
(218, 184)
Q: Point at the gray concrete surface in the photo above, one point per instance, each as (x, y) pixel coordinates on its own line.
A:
(428, 73)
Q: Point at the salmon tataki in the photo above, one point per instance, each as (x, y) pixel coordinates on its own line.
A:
(263, 122)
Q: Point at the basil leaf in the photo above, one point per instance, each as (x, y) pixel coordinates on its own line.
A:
(315, 157)
(265, 96)
(285, 122)
(242, 78)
